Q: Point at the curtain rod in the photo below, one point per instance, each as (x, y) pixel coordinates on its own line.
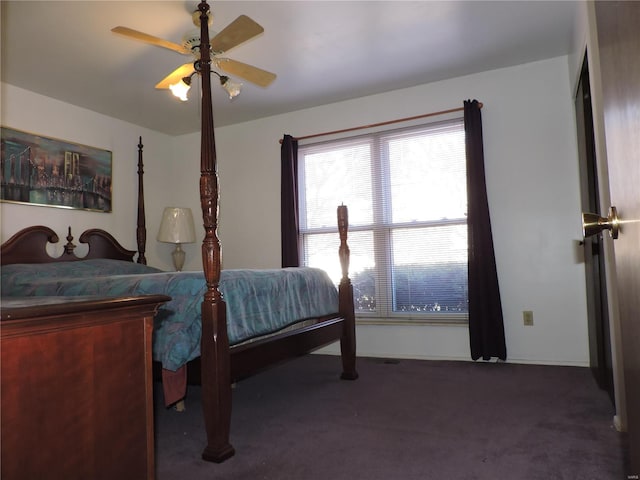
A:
(380, 124)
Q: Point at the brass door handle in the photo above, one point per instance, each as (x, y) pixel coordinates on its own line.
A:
(592, 223)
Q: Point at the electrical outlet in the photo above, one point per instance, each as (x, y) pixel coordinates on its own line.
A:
(527, 318)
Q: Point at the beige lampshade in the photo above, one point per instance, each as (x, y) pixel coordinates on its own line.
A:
(177, 226)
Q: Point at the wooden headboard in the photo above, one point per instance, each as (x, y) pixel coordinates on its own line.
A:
(29, 245)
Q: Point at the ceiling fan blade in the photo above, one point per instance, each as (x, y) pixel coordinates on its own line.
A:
(159, 42)
(237, 32)
(250, 73)
(175, 76)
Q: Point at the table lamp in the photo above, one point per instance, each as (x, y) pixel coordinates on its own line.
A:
(177, 227)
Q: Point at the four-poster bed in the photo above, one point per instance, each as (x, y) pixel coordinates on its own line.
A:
(221, 362)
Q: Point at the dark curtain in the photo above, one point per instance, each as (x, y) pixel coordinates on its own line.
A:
(289, 202)
(486, 329)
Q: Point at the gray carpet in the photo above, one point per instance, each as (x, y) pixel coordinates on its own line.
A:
(406, 419)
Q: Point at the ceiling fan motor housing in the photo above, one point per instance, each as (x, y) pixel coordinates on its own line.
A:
(191, 41)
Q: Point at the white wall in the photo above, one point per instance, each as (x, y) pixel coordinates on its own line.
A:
(24, 110)
(532, 178)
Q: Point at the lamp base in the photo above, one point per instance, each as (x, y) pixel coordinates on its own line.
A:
(178, 257)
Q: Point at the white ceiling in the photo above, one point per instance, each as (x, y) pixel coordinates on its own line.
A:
(322, 51)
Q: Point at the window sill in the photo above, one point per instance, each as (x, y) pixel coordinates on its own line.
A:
(404, 321)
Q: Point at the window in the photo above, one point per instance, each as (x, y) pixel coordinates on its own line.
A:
(406, 194)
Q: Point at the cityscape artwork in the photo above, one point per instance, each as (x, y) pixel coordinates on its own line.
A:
(38, 170)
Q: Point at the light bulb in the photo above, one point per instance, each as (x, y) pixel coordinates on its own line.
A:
(180, 90)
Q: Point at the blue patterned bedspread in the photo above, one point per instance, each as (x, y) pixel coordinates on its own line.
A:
(258, 301)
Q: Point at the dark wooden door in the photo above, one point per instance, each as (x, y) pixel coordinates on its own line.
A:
(619, 47)
(600, 356)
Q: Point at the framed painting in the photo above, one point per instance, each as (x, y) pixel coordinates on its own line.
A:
(39, 170)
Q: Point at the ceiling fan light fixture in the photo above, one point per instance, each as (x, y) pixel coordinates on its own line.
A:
(237, 32)
(181, 88)
(232, 88)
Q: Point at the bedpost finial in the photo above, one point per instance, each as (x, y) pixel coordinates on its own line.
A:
(343, 252)
(203, 7)
(69, 247)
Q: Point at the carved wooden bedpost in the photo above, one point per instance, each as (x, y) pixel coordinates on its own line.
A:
(216, 373)
(345, 292)
(141, 230)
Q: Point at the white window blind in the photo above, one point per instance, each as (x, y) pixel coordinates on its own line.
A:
(406, 194)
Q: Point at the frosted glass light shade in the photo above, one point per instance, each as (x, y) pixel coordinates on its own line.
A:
(177, 226)
(180, 90)
(232, 88)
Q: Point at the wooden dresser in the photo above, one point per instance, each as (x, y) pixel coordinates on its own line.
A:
(76, 388)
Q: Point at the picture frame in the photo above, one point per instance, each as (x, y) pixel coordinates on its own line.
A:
(44, 171)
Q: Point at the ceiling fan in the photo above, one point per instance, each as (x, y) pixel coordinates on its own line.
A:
(239, 31)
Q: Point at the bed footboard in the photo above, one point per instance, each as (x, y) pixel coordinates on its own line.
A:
(221, 364)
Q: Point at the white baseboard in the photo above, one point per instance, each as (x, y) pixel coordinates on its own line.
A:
(331, 350)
